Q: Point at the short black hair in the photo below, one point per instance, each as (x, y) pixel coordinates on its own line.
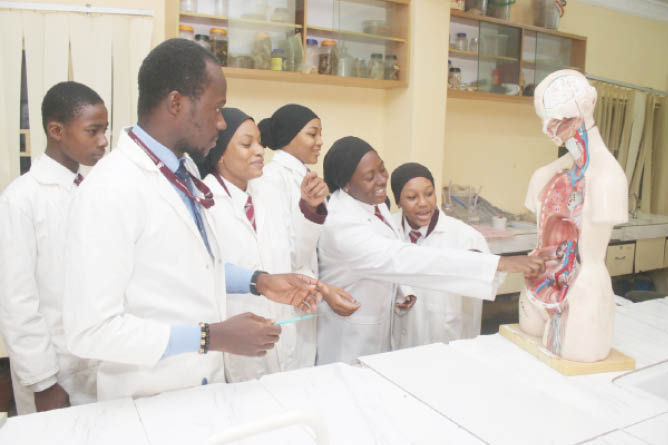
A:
(174, 65)
(64, 100)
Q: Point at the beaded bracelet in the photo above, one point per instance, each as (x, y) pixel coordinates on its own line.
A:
(204, 341)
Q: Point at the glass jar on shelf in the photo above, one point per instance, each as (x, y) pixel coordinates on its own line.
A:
(219, 8)
(262, 51)
(391, 67)
(327, 62)
(461, 42)
(278, 60)
(455, 78)
(376, 67)
(311, 59)
(478, 7)
(473, 45)
(219, 44)
(344, 65)
(186, 32)
(203, 41)
(188, 5)
(360, 68)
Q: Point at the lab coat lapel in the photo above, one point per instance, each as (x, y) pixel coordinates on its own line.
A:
(164, 188)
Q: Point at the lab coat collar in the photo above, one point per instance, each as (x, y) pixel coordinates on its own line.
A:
(239, 197)
(368, 209)
(47, 170)
(163, 153)
(424, 230)
(290, 162)
(137, 155)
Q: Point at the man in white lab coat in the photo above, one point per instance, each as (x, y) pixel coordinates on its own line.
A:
(362, 251)
(33, 219)
(145, 284)
(437, 316)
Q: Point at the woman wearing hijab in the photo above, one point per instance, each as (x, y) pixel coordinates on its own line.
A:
(294, 132)
(250, 235)
(437, 316)
(363, 251)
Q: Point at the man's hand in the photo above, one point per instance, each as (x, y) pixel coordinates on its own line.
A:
(244, 334)
(314, 190)
(409, 301)
(294, 289)
(338, 299)
(528, 265)
(53, 397)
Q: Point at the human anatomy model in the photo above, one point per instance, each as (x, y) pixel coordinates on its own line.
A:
(578, 199)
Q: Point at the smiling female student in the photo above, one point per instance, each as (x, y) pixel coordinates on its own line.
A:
(294, 132)
(251, 234)
(437, 316)
(362, 251)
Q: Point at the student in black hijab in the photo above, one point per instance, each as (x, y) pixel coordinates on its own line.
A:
(362, 250)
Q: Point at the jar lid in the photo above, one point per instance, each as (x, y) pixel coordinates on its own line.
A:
(454, 69)
(461, 34)
(222, 31)
(201, 37)
(311, 42)
(376, 56)
(390, 57)
(186, 28)
(278, 51)
(261, 35)
(328, 43)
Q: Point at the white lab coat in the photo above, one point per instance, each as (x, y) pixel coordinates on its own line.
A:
(440, 316)
(285, 174)
(33, 217)
(268, 250)
(137, 265)
(366, 257)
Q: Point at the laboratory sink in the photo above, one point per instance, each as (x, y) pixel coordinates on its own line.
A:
(645, 219)
(652, 379)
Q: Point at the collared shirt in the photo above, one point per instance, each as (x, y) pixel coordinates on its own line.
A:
(407, 228)
(239, 197)
(168, 158)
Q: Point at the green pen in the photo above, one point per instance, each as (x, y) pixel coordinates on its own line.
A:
(293, 320)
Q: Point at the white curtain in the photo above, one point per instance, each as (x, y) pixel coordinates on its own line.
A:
(101, 51)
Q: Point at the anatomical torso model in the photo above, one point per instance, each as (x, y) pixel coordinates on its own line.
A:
(577, 199)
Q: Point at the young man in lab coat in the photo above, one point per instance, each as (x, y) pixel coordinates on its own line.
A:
(33, 211)
(145, 284)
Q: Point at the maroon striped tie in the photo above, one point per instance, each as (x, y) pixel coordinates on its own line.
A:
(250, 212)
(414, 235)
(78, 179)
(380, 216)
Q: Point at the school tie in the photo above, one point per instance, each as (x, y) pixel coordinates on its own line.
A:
(183, 175)
(78, 179)
(380, 216)
(250, 212)
(414, 235)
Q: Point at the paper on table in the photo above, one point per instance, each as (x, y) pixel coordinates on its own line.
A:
(499, 408)
(361, 407)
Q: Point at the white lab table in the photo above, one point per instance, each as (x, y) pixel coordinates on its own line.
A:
(477, 391)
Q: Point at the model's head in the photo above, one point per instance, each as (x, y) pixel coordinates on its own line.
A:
(354, 166)
(414, 192)
(564, 101)
(182, 87)
(295, 129)
(75, 121)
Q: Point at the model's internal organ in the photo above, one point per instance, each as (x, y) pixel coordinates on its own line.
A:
(559, 221)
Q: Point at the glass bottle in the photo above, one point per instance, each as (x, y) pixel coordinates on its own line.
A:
(203, 40)
(376, 67)
(188, 5)
(311, 60)
(461, 43)
(278, 60)
(262, 51)
(327, 63)
(391, 67)
(186, 32)
(219, 44)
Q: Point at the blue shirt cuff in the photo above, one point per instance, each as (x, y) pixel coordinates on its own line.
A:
(237, 279)
(183, 339)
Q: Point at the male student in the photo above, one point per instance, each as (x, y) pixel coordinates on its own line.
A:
(33, 221)
(145, 284)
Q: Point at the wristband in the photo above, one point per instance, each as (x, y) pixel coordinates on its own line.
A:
(253, 281)
(204, 340)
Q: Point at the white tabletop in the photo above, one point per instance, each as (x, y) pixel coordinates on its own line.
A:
(474, 392)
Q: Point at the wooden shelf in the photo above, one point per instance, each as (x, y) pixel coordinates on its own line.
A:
(529, 64)
(210, 19)
(351, 35)
(484, 18)
(481, 56)
(483, 95)
(287, 76)
(371, 2)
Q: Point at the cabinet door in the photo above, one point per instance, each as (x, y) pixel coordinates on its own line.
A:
(649, 254)
(499, 58)
(619, 259)
(552, 53)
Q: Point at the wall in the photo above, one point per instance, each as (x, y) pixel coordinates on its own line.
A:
(499, 145)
